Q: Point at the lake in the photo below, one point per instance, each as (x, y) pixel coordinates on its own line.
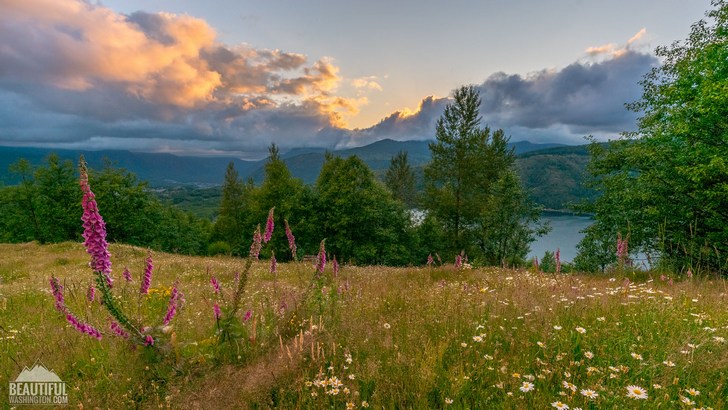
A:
(565, 234)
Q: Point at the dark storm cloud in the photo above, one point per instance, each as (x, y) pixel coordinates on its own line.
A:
(551, 105)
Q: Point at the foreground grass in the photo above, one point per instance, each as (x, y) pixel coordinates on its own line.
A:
(380, 337)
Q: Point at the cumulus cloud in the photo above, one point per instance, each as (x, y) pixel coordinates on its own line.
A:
(551, 105)
(74, 62)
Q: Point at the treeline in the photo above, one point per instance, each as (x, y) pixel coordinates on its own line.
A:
(472, 206)
(46, 207)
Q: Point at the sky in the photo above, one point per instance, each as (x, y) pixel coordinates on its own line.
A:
(229, 77)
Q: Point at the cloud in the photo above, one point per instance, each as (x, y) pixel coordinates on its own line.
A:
(75, 74)
(550, 105)
(638, 36)
(109, 74)
(367, 83)
(615, 50)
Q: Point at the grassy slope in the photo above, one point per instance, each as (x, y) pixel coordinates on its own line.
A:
(417, 337)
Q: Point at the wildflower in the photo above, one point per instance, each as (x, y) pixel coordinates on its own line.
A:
(82, 327)
(256, 245)
(291, 239)
(57, 290)
(335, 267)
(657, 386)
(589, 355)
(273, 263)
(668, 363)
(636, 356)
(216, 310)
(690, 273)
(568, 385)
(448, 400)
(349, 405)
(118, 330)
(590, 394)
(477, 339)
(535, 263)
(94, 229)
(321, 260)
(248, 315)
(126, 274)
(365, 404)
(541, 344)
(463, 344)
(430, 261)
(559, 405)
(269, 226)
(174, 301)
(557, 256)
(526, 387)
(601, 319)
(91, 293)
(692, 392)
(636, 392)
(147, 279)
(580, 329)
(557, 327)
(458, 261)
(149, 341)
(215, 284)
(622, 251)
(686, 400)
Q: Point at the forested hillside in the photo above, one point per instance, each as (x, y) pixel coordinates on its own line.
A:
(553, 175)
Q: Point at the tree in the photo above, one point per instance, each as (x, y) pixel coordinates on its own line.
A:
(57, 200)
(236, 205)
(20, 219)
(124, 201)
(400, 179)
(508, 223)
(280, 190)
(466, 160)
(667, 183)
(357, 216)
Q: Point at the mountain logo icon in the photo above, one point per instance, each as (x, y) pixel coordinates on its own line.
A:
(38, 373)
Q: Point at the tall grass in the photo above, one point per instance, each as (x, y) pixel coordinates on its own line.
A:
(372, 336)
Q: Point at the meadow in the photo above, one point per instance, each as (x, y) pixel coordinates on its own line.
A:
(377, 337)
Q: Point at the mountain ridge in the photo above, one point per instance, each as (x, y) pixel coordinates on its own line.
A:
(552, 173)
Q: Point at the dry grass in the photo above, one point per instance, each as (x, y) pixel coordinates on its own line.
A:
(411, 338)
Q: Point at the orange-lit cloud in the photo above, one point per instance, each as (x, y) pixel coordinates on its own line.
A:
(366, 83)
(640, 34)
(173, 63)
(615, 50)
